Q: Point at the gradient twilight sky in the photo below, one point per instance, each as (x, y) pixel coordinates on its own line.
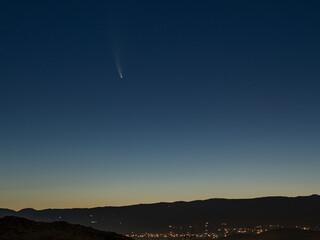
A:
(218, 99)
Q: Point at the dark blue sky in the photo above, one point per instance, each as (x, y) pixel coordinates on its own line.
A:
(217, 99)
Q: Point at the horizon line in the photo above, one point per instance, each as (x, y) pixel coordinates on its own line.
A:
(169, 202)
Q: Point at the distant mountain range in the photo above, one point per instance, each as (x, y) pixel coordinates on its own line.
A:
(178, 216)
(15, 228)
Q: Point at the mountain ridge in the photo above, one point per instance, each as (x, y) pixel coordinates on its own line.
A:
(156, 217)
(178, 201)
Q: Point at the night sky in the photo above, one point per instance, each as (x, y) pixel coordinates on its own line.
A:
(124, 102)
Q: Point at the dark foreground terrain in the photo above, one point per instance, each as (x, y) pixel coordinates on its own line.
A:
(281, 234)
(16, 228)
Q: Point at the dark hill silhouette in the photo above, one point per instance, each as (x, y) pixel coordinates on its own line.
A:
(23, 229)
(286, 211)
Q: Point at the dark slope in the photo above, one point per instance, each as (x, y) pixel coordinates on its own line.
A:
(6, 212)
(19, 228)
(281, 234)
(157, 217)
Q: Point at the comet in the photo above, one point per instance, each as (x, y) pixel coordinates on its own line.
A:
(118, 63)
